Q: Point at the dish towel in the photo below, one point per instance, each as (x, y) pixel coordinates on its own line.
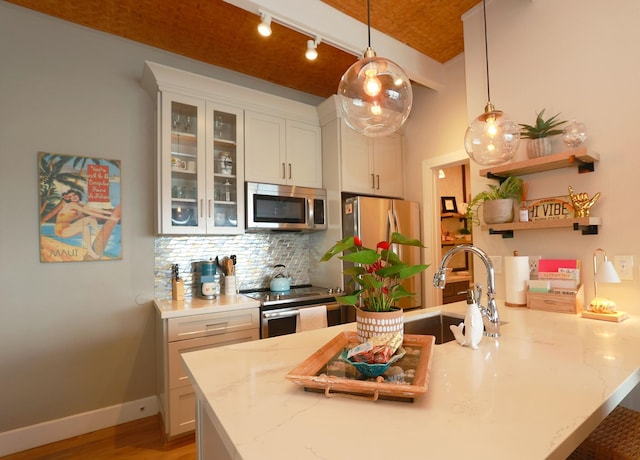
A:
(310, 318)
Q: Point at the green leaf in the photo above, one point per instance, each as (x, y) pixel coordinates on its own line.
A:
(347, 299)
(390, 270)
(366, 256)
(353, 271)
(369, 281)
(409, 271)
(399, 238)
(344, 245)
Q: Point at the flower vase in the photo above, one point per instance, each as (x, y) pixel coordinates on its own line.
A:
(372, 323)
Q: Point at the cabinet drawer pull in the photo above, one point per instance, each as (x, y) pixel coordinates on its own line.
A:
(217, 328)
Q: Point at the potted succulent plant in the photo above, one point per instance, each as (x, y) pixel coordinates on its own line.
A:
(497, 202)
(538, 134)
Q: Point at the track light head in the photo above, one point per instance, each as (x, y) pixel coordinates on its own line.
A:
(312, 52)
(264, 28)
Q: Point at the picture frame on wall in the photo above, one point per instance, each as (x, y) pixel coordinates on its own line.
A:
(449, 204)
(79, 208)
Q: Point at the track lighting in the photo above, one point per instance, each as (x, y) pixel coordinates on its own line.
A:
(264, 28)
(312, 51)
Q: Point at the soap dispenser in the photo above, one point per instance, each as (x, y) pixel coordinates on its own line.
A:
(472, 325)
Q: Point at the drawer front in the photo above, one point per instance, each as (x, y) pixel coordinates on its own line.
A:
(178, 375)
(454, 292)
(188, 327)
(562, 303)
(183, 411)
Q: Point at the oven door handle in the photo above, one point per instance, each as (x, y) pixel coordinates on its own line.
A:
(280, 314)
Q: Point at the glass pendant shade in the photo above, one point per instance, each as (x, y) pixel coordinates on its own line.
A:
(375, 96)
(491, 138)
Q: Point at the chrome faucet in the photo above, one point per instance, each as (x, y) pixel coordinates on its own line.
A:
(490, 316)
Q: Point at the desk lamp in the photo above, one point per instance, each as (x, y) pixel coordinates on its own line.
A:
(600, 307)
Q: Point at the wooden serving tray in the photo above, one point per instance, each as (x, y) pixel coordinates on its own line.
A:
(404, 380)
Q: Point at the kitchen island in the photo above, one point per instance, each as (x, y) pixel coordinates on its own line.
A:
(536, 392)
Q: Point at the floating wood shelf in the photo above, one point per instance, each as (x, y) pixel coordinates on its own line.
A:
(588, 226)
(457, 215)
(580, 158)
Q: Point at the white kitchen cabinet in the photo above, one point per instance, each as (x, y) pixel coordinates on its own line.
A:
(201, 185)
(206, 129)
(282, 151)
(190, 333)
(371, 165)
(200, 166)
(355, 163)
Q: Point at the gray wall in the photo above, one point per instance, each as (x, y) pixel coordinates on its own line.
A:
(76, 337)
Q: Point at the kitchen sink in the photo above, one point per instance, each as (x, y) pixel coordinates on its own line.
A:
(436, 325)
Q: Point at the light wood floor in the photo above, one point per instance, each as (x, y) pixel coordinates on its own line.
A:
(137, 440)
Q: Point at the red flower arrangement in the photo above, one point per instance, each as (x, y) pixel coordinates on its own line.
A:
(377, 274)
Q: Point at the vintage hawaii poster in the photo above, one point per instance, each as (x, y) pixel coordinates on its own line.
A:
(79, 208)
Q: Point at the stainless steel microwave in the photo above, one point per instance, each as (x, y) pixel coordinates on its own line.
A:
(285, 207)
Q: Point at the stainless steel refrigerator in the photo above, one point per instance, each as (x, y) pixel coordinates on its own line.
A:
(374, 220)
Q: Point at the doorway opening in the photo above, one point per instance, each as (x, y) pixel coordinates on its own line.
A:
(447, 190)
(453, 194)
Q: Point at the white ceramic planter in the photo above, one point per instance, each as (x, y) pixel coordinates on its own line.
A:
(538, 147)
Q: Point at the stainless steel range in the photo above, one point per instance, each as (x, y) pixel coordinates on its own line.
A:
(279, 310)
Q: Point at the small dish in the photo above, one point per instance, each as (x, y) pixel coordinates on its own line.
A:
(373, 370)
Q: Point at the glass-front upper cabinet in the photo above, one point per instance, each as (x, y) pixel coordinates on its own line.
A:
(201, 167)
(225, 171)
(182, 185)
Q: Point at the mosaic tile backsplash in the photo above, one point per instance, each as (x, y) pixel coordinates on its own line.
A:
(256, 254)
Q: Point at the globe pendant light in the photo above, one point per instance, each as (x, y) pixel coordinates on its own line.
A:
(375, 93)
(491, 138)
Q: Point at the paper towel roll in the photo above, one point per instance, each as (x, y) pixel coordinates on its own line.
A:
(516, 271)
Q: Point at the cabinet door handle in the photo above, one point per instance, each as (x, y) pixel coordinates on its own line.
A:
(283, 172)
(201, 207)
(373, 181)
(209, 209)
(289, 170)
(378, 177)
(216, 328)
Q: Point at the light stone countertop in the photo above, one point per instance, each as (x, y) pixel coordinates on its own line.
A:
(169, 308)
(534, 393)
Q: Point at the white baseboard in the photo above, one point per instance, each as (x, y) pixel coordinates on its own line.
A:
(56, 430)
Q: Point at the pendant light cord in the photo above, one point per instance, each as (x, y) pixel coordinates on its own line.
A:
(486, 48)
(369, 22)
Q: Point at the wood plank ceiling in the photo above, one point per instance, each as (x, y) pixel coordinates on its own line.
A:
(221, 34)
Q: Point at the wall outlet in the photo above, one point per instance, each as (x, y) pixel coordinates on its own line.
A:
(624, 267)
(497, 264)
(533, 267)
